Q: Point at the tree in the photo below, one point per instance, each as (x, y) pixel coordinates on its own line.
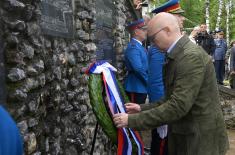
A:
(214, 13)
(221, 4)
(228, 9)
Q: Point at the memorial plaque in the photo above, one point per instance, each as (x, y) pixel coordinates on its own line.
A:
(57, 18)
(104, 36)
(2, 75)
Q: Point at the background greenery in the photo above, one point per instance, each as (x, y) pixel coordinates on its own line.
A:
(195, 14)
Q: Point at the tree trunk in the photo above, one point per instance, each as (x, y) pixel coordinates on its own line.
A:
(228, 7)
(207, 7)
(221, 4)
(228, 19)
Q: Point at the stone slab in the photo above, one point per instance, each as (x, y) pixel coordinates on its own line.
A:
(104, 36)
(57, 18)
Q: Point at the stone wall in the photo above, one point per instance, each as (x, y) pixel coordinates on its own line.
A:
(124, 15)
(46, 93)
(228, 106)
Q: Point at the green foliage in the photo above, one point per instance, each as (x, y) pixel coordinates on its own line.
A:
(214, 7)
(232, 23)
(99, 108)
(195, 14)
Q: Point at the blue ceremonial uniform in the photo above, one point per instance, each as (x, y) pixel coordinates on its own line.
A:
(156, 61)
(137, 66)
(219, 57)
(220, 50)
(10, 139)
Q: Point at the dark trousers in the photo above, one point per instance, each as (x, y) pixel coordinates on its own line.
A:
(137, 97)
(219, 70)
(158, 145)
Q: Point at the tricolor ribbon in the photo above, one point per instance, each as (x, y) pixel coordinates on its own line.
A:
(116, 105)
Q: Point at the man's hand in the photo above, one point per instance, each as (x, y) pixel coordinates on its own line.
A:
(137, 4)
(132, 108)
(120, 120)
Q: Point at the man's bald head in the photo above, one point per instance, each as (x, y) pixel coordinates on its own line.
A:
(162, 20)
(163, 30)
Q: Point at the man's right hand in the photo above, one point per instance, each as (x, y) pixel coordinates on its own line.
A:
(132, 108)
(137, 4)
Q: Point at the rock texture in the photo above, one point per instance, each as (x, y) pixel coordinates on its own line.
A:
(228, 106)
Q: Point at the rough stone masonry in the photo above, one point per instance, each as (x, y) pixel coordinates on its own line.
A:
(46, 93)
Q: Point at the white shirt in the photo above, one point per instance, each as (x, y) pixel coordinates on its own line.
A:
(173, 45)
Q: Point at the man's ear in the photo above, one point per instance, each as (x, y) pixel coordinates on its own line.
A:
(136, 31)
(167, 29)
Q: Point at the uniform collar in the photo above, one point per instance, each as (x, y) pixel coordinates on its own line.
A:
(138, 41)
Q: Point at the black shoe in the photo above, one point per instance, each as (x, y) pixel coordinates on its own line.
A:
(221, 83)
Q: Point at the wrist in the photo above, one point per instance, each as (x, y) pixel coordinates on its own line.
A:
(139, 108)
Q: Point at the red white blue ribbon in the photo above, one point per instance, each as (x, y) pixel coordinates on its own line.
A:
(116, 105)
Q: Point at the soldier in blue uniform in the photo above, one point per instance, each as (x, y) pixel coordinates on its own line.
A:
(136, 63)
(219, 57)
(10, 139)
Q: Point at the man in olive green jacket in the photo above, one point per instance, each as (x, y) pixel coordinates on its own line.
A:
(191, 107)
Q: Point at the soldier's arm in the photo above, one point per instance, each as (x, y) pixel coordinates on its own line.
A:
(134, 57)
(189, 77)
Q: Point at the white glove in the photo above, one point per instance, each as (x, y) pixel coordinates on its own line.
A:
(162, 131)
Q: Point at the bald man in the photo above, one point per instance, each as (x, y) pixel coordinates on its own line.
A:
(191, 106)
(156, 59)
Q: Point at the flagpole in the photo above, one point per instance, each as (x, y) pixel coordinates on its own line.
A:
(94, 138)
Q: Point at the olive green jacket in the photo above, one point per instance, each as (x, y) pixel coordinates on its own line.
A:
(191, 107)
